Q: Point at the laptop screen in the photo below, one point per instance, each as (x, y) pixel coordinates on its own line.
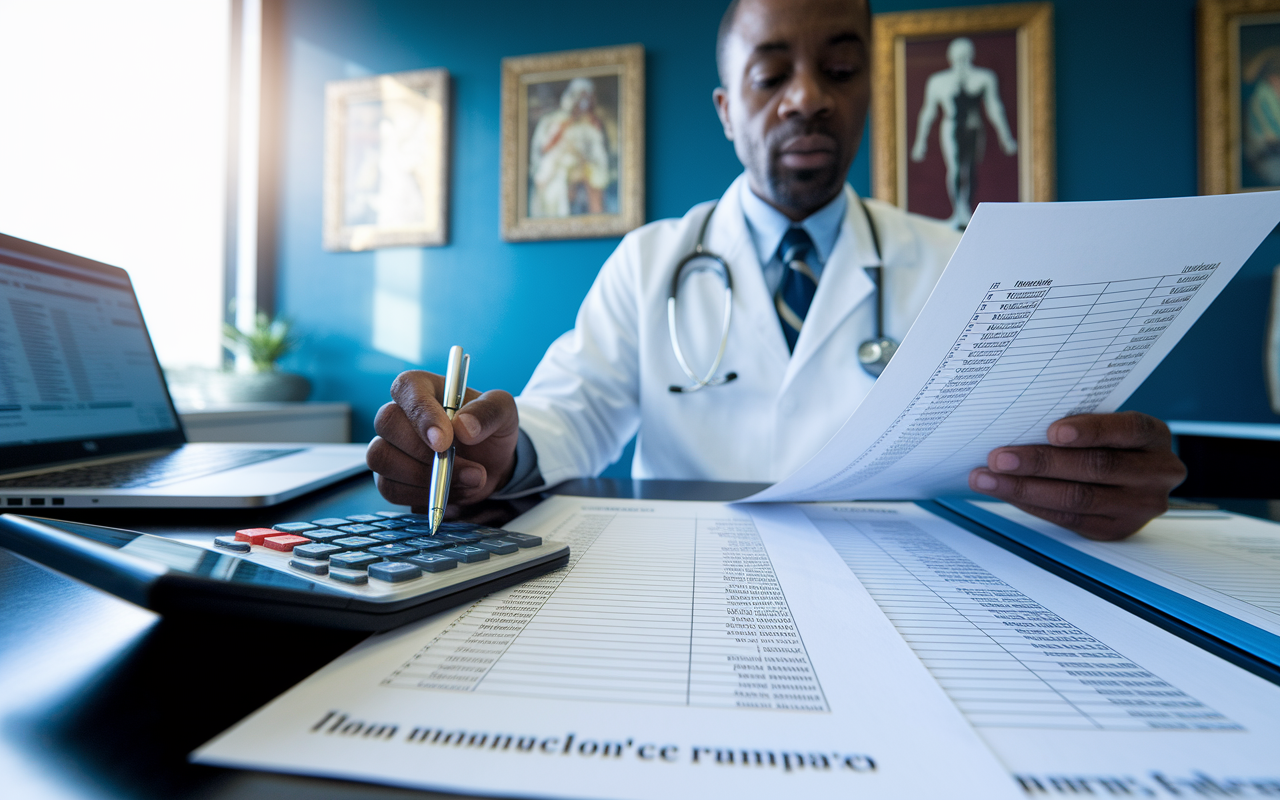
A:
(76, 363)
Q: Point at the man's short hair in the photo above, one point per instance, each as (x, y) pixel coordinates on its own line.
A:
(726, 25)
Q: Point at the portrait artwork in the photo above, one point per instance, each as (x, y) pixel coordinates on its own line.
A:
(386, 161)
(960, 114)
(1239, 95)
(573, 144)
(572, 129)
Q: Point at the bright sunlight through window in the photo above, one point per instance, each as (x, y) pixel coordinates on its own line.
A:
(113, 146)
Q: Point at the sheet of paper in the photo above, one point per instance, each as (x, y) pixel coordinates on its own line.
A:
(690, 650)
(1045, 310)
(1230, 562)
(1077, 697)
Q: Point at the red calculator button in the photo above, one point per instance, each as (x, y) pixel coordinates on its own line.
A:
(255, 535)
(286, 542)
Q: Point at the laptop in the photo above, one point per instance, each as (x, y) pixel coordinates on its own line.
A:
(86, 420)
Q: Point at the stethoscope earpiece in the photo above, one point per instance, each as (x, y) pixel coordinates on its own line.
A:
(732, 376)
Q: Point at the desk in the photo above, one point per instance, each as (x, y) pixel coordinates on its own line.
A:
(101, 699)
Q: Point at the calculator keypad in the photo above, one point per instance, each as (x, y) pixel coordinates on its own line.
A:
(386, 548)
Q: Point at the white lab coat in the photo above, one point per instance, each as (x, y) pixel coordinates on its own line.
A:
(609, 376)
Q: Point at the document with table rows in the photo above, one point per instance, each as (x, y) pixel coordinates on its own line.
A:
(689, 650)
(1076, 696)
(1044, 311)
(673, 610)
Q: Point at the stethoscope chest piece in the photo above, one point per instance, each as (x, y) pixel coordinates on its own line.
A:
(874, 354)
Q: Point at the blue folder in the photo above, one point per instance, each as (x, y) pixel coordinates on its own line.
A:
(1218, 624)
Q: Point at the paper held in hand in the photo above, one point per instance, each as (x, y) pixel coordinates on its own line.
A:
(1045, 310)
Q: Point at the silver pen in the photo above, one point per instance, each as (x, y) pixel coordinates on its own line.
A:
(455, 389)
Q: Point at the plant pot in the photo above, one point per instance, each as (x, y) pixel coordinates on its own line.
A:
(257, 387)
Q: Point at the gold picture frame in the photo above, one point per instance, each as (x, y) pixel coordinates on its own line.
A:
(1019, 39)
(1234, 39)
(573, 144)
(386, 161)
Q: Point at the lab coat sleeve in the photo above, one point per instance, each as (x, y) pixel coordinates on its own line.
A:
(581, 406)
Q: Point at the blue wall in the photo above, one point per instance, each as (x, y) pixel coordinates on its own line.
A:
(1126, 121)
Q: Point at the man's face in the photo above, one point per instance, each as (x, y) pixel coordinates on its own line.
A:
(794, 101)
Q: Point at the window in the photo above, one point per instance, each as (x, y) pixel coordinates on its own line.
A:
(113, 146)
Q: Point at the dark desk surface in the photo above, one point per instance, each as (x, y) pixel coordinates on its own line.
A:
(101, 699)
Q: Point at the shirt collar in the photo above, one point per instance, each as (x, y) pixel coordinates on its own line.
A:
(768, 225)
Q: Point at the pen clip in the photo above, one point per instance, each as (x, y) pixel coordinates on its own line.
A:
(454, 380)
(462, 384)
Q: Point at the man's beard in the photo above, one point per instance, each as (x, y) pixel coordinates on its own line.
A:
(804, 190)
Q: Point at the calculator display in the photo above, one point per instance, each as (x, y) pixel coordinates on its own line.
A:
(187, 558)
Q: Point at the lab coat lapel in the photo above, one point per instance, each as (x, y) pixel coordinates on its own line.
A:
(843, 286)
(753, 305)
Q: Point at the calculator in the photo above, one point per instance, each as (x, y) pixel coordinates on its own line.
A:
(361, 572)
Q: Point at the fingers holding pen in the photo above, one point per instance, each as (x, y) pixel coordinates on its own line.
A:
(417, 394)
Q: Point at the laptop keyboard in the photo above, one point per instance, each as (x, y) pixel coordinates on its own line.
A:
(180, 465)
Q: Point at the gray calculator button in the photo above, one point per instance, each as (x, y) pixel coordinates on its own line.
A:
(322, 534)
(294, 527)
(389, 524)
(499, 547)
(353, 560)
(467, 553)
(230, 543)
(307, 565)
(394, 571)
(391, 536)
(391, 514)
(391, 550)
(523, 539)
(432, 562)
(354, 542)
(364, 518)
(348, 576)
(359, 529)
(428, 544)
(316, 552)
(460, 538)
(330, 522)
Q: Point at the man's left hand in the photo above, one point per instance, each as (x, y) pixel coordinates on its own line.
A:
(1103, 476)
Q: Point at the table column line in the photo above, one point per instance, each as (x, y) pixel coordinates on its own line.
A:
(1000, 645)
(693, 599)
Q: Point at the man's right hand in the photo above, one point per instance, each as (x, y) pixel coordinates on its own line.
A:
(414, 428)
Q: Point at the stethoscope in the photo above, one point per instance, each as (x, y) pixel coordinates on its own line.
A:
(873, 354)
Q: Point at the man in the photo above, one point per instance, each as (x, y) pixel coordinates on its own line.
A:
(794, 96)
(961, 93)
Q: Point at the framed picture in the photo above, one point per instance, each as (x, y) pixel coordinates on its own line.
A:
(386, 164)
(962, 108)
(1239, 95)
(573, 144)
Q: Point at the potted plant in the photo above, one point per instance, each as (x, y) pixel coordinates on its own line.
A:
(263, 345)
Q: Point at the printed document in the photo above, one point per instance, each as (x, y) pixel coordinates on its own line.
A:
(1077, 697)
(1045, 310)
(689, 650)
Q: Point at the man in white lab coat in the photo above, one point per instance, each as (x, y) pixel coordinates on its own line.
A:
(797, 240)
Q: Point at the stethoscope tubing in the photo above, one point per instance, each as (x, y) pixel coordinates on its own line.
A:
(715, 263)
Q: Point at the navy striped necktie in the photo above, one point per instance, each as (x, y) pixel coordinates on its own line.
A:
(799, 284)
